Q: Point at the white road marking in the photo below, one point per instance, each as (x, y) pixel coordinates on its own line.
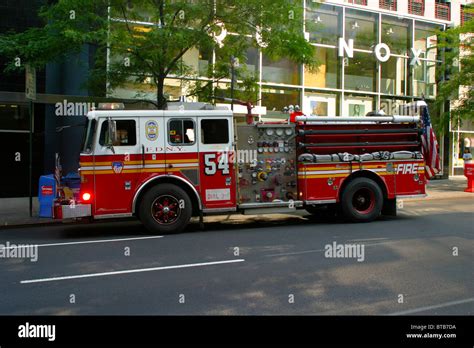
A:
(427, 308)
(102, 274)
(85, 242)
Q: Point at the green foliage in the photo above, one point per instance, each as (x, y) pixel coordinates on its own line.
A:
(458, 88)
(147, 40)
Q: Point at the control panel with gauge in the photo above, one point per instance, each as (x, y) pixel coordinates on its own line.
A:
(266, 163)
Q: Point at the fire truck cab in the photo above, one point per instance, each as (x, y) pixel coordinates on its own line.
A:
(165, 166)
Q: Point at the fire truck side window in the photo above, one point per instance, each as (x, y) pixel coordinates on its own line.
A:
(215, 131)
(181, 132)
(126, 133)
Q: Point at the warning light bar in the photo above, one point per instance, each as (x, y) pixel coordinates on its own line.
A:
(111, 106)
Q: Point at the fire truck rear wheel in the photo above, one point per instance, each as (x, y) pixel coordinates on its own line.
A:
(362, 200)
(165, 209)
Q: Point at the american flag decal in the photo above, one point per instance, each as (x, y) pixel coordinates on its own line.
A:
(429, 145)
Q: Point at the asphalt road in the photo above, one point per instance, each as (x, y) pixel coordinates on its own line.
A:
(281, 267)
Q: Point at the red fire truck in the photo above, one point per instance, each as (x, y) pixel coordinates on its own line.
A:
(167, 166)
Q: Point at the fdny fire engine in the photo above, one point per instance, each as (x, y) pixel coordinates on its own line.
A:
(166, 166)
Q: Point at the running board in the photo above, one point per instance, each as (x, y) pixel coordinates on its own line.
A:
(270, 207)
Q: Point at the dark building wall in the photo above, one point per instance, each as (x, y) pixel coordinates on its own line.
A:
(66, 78)
(17, 16)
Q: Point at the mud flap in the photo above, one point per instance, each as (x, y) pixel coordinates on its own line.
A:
(389, 207)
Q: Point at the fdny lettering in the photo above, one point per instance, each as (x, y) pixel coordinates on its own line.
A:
(407, 168)
(162, 149)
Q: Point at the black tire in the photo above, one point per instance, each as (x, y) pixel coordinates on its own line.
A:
(165, 209)
(362, 200)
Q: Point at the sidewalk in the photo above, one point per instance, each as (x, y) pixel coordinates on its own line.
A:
(15, 211)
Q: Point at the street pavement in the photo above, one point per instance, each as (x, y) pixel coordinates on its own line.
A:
(420, 262)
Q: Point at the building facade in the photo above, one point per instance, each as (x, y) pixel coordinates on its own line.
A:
(374, 55)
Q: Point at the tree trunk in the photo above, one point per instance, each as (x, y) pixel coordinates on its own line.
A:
(160, 90)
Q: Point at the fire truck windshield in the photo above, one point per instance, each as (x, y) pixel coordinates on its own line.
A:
(89, 136)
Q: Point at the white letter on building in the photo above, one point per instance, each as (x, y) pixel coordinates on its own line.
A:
(378, 52)
(348, 48)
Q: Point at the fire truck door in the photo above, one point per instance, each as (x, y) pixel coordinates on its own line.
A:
(217, 174)
(181, 148)
(116, 167)
(152, 147)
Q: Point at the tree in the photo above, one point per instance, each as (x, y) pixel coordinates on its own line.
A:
(458, 69)
(146, 40)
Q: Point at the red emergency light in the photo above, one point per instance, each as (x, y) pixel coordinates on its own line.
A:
(86, 196)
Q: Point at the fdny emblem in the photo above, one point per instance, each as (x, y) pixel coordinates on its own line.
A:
(117, 167)
(151, 130)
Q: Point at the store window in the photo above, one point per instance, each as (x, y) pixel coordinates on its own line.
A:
(248, 63)
(196, 62)
(392, 106)
(328, 73)
(321, 104)
(394, 76)
(275, 99)
(323, 23)
(14, 117)
(358, 105)
(362, 28)
(280, 71)
(360, 72)
(126, 133)
(426, 39)
(396, 33)
(424, 79)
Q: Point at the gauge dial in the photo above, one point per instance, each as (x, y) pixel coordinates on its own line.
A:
(279, 132)
(269, 131)
(288, 131)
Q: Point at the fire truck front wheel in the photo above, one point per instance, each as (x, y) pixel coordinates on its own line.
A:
(362, 200)
(165, 208)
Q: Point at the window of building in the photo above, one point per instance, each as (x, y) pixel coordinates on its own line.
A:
(358, 105)
(196, 62)
(466, 16)
(394, 76)
(426, 39)
(276, 98)
(361, 72)
(215, 131)
(388, 4)
(392, 106)
(14, 117)
(424, 79)
(126, 133)
(181, 132)
(443, 10)
(362, 27)
(321, 104)
(248, 63)
(416, 7)
(328, 73)
(396, 33)
(280, 71)
(323, 23)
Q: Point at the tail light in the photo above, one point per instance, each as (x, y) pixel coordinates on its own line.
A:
(86, 196)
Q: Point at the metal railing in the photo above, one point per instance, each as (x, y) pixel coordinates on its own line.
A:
(443, 11)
